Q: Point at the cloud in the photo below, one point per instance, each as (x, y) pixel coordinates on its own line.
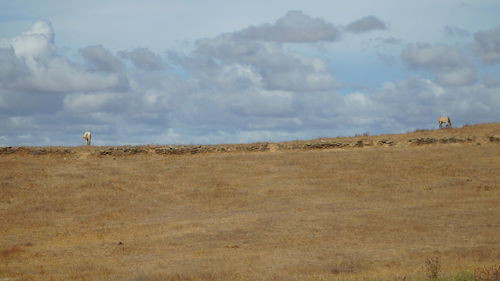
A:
(402, 106)
(416, 102)
(294, 27)
(12, 69)
(458, 76)
(387, 41)
(36, 43)
(94, 102)
(491, 81)
(451, 66)
(454, 31)
(101, 59)
(305, 76)
(263, 104)
(40, 88)
(266, 65)
(366, 24)
(487, 45)
(42, 28)
(31, 63)
(234, 87)
(143, 58)
(61, 76)
(436, 57)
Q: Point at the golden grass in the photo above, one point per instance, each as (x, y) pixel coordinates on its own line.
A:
(369, 213)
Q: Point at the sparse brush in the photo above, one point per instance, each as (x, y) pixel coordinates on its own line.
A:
(348, 266)
(487, 273)
(400, 278)
(421, 130)
(463, 276)
(365, 134)
(433, 268)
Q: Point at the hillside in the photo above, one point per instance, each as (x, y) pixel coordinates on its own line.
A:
(387, 207)
(477, 134)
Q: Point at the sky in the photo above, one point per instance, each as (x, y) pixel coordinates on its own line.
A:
(221, 71)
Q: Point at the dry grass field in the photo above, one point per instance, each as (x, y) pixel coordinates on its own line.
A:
(393, 207)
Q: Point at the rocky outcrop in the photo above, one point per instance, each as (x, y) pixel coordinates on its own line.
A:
(495, 138)
(444, 140)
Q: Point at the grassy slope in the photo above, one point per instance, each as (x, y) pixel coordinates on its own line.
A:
(350, 213)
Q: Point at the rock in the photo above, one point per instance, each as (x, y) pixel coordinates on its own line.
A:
(7, 150)
(361, 143)
(455, 139)
(324, 145)
(386, 142)
(495, 138)
(38, 152)
(166, 150)
(419, 141)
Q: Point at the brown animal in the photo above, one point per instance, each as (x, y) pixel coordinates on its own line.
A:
(444, 121)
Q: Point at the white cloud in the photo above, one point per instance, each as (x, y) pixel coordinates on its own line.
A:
(101, 59)
(492, 81)
(303, 75)
(294, 27)
(455, 31)
(143, 58)
(435, 57)
(262, 103)
(60, 75)
(269, 63)
(452, 66)
(12, 68)
(94, 102)
(418, 101)
(457, 76)
(487, 45)
(236, 87)
(37, 67)
(21, 121)
(366, 24)
(37, 43)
